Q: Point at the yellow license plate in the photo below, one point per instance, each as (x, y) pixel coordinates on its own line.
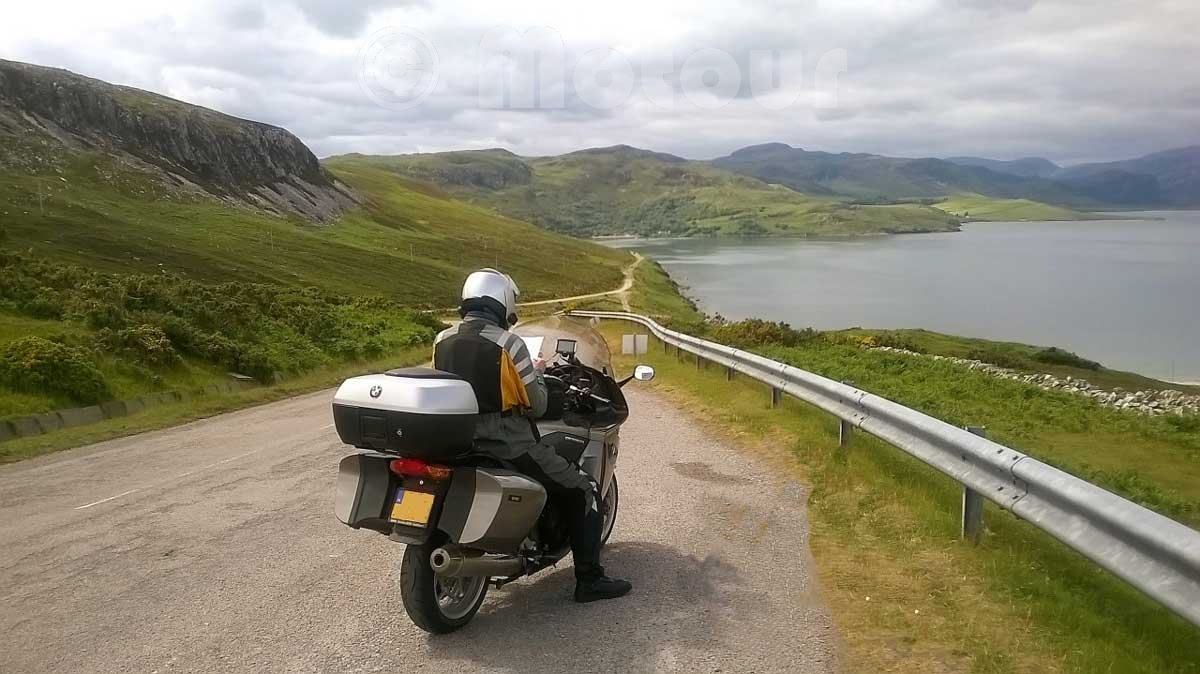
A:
(412, 507)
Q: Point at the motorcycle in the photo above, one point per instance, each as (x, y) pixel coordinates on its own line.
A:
(470, 522)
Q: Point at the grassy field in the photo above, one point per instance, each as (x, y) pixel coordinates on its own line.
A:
(625, 190)
(206, 406)
(988, 209)
(906, 594)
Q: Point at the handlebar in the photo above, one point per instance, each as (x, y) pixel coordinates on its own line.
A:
(575, 389)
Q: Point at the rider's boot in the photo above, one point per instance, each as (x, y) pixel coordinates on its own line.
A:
(601, 587)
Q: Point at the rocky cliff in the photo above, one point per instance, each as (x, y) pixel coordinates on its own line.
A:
(187, 146)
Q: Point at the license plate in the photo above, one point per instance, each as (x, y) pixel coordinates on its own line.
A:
(412, 507)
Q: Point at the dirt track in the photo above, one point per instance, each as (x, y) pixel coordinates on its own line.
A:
(212, 547)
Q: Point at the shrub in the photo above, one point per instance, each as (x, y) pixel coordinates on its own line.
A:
(999, 357)
(41, 366)
(42, 303)
(896, 340)
(147, 344)
(99, 315)
(754, 332)
(253, 328)
(1057, 356)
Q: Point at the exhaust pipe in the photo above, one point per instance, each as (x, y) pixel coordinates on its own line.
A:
(452, 561)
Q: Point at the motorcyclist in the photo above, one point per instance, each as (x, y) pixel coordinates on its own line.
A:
(511, 393)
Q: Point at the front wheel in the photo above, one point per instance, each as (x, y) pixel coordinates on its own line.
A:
(436, 604)
(608, 510)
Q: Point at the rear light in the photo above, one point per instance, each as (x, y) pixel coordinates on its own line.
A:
(419, 468)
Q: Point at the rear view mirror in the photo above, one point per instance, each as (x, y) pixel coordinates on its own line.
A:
(643, 373)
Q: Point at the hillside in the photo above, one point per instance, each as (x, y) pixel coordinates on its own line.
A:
(622, 190)
(139, 254)
(873, 177)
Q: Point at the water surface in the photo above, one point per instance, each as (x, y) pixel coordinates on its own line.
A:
(1124, 292)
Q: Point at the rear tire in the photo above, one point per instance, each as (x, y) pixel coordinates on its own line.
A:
(437, 605)
(608, 510)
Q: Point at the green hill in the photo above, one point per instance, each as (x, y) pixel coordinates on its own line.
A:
(624, 190)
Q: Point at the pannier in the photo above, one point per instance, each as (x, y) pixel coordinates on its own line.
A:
(416, 412)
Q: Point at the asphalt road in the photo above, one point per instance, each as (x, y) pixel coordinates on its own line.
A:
(213, 547)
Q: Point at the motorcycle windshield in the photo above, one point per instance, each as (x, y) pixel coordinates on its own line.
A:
(553, 334)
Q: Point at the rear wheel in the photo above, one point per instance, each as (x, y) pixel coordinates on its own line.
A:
(608, 510)
(436, 604)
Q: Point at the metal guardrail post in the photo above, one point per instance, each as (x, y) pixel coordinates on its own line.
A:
(972, 503)
(729, 372)
(845, 428)
(699, 362)
(776, 397)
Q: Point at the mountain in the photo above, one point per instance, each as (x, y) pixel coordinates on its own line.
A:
(874, 177)
(47, 114)
(118, 180)
(621, 189)
(1029, 167)
(1170, 178)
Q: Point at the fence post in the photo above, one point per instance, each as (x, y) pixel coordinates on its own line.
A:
(776, 397)
(972, 503)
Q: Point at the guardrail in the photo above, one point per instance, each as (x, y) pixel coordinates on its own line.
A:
(1155, 554)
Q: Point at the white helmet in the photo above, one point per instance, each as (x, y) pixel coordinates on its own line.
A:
(489, 284)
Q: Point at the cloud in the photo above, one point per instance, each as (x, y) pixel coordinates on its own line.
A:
(1072, 80)
(345, 19)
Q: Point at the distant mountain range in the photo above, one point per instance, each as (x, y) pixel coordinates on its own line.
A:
(1168, 179)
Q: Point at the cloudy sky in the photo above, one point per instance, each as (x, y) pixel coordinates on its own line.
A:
(1072, 80)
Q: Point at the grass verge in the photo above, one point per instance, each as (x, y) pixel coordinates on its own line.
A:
(906, 594)
(204, 406)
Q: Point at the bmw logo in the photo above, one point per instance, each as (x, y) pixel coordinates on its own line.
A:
(376, 391)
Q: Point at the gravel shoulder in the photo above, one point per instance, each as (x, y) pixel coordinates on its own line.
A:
(212, 547)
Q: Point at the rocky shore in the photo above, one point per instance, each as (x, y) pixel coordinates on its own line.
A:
(1143, 402)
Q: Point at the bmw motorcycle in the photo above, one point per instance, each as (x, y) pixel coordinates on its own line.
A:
(470, 522)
